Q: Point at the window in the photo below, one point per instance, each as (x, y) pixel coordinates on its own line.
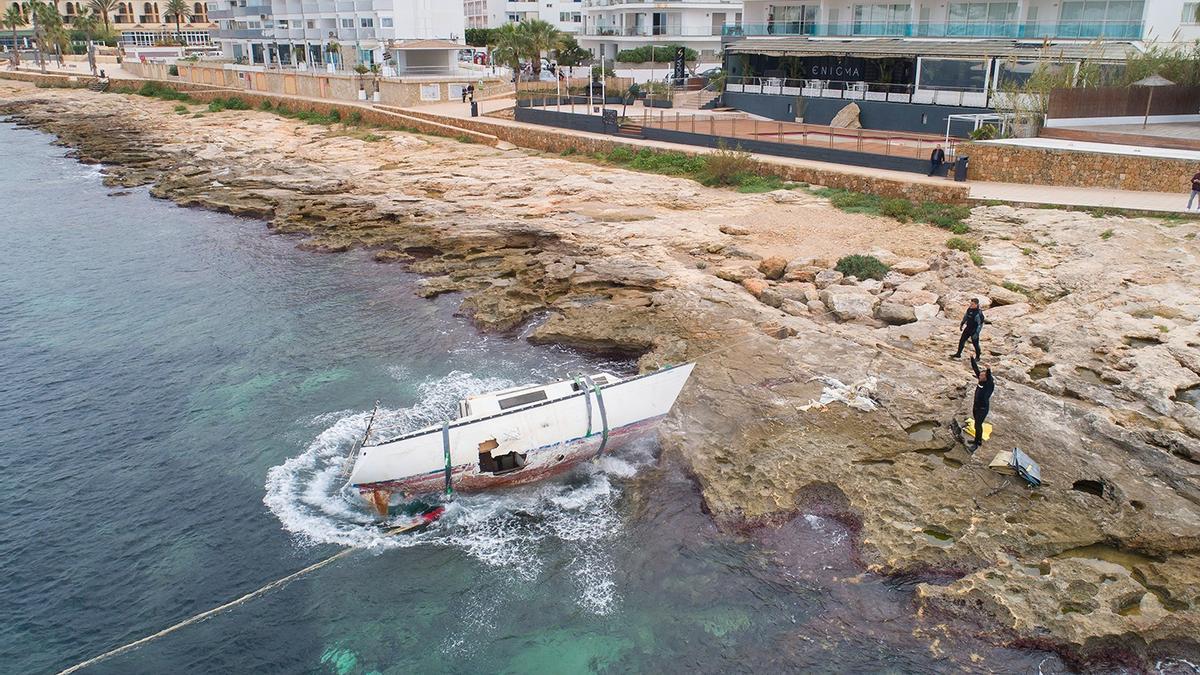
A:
(385, 21)
(522, 399)
(281, 23)
(1189, 12)
(881, 19)
(366, 22)
(982, 19)
(347, 23)
(791, 19)
(1101, 18)
(311, 23)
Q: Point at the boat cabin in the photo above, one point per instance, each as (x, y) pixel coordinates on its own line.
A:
(495, 402)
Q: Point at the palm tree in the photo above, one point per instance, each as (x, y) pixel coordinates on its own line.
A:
(86, 22)
(178, 8)
(509, 44)
(14, 19)
(103, 7)
(51, 30)
(540, 36)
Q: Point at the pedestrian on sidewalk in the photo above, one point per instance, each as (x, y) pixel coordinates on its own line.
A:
(971, 326)
(464, 94)
(936, 159)
(984, 386)
(1195, 190)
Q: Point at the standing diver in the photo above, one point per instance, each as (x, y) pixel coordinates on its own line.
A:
(984, 386)
(971, 325)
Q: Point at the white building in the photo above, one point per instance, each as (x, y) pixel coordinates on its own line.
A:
(610, 26)
(1163, 20)
(565, 15)
(319, 32)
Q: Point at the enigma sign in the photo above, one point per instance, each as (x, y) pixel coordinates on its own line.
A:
(833, 68)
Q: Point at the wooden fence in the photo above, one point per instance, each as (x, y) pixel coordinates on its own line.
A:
(1122, 102)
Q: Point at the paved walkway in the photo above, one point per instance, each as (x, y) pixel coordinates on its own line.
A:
(1021, 193)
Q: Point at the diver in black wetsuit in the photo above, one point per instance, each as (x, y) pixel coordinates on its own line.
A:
(972, 326)
(983, 399)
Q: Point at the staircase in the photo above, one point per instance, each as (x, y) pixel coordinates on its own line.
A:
(629, 130)
(695, 100)
(98, 85)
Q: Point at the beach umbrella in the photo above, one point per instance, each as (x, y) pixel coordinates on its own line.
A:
(1153, 81)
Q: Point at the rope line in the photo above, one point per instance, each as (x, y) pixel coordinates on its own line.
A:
(204, 615)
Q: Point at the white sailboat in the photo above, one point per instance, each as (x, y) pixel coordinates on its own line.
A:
(517, 435)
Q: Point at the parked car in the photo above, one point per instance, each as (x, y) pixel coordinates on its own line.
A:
(709, 74)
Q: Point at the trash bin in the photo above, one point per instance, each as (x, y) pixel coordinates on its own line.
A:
(960, 169)
(474, 109)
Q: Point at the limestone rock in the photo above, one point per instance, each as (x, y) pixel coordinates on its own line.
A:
(926, 312)
(910, 267)
(847, 117)
(1008, 312)
(798, 291)
(895, 314)
(736, 274)
(794, 307)
(1002, 296)
(914, 298)
(871, 285)
(784, 196)
(755, 286)
(772, 267)
(826, 278)
(885, 256)
(849, 303)
(806, 274)
(734, 230)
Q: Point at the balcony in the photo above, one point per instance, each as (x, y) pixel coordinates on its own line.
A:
(239, 33)
(1112, 30)
(653, 31)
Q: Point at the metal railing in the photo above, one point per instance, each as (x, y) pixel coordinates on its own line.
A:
(1115, 30)
(861, 91)
(653, 31)
(872, 141)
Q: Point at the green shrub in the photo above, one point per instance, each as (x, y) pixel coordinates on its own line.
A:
(1106, 235)
(157, 90)
(335, 115)
(755, 183)
(173, 70)
(862, 266)
(181, 109)
(568, 152)
(727, 166)
(967, 246)
(660, 53)
(371, 138)
(667, 163)
(216, 105)
(265, 105)
(620, 155)
(900, 209)
(355, 118)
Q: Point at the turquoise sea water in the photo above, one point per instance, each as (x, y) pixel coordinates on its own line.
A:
(177, 388)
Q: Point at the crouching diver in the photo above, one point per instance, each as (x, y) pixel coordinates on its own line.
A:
(984, 386)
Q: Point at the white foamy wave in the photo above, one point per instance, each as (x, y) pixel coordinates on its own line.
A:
(513, 531)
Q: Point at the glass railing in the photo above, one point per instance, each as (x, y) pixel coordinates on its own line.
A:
(1113, 30)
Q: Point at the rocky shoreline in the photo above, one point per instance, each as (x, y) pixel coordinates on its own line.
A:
(1093, 339)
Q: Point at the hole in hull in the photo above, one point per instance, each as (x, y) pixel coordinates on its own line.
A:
(1092, 487)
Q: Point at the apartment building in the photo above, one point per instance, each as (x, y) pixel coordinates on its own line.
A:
(909, 66)
(610, 26)
(566, 15)
(137, 23)
(1163, 20)
(341, 33)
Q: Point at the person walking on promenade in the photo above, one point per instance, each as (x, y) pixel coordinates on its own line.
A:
(936, 159)
(971, 326)
(1195, 191)
(984, 386)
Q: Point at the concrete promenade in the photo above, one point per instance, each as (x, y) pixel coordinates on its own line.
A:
(978, 190)
(1012, 192)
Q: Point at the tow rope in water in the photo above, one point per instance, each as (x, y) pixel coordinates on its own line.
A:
(282, 581)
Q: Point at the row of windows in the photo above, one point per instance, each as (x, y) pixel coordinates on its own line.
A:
(1083, 11)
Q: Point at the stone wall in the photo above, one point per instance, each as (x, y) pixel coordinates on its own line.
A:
(1041, 166)
(48, 79)
(316, 84)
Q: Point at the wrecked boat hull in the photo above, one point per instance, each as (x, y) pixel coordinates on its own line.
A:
(543, 463)
(518, 435)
